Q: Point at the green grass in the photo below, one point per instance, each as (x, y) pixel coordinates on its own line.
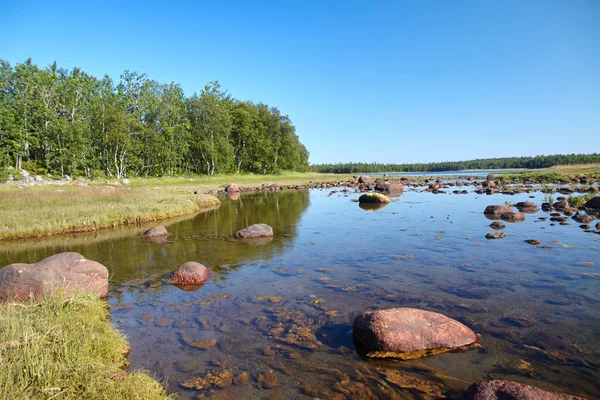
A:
(50, 210)
(556, 174)
(65, 348)
(41, 211)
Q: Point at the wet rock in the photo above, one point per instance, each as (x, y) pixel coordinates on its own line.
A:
(498, 390)
(254, 231)
(189, 273)
(489, 177)
(393, 187)
(527, 206)
(69, 272)
(547, 207)
(497, 210)
(408, 333)
(232, 188)
(534, 242)
(373, 198)
(497, 225)
(156, 231)
(597, 226)
(495, 235)
(513, 217)
(582, 217)
(593, 203)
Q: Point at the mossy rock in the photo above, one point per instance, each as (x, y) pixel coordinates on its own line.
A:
(373, 198)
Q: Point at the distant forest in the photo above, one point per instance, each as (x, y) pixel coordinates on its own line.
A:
(60, 121)
(483, 163)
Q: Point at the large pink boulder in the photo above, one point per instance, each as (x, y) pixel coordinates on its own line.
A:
(498, 390)
(68, 272)
(254, 231)
(190, 273)
(408, 333)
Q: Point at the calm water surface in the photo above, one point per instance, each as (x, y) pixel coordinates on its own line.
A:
(282, 311)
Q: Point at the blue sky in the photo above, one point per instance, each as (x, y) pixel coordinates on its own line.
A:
(386, 81)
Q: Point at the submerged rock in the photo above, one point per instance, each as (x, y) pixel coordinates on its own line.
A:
(189, 273)
(497, 390)
(373, 198)
(68, 272)
(156, 231)
(408, 333)
(254, 231)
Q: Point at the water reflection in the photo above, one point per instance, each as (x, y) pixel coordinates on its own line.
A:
(282, 312)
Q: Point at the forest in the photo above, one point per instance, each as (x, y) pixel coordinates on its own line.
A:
(59, 121)
(541, 161)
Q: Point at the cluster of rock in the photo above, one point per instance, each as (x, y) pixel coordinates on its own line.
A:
(23, 179)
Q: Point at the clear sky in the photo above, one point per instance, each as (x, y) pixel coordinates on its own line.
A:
(386, 81)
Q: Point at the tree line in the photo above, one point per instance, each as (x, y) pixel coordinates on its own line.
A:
(60, 121)
(541, 161)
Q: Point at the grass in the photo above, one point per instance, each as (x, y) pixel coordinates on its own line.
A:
(65, 348)
(41, 211)
(557, 173)
(50, 210)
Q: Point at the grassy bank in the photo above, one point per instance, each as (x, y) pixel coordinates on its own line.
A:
(65, 348)
(555, 174)
(40, 211)
(49, 210)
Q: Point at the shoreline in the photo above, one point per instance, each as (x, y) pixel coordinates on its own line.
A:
(57, 208)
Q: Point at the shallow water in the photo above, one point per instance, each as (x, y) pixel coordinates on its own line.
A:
(287, 306)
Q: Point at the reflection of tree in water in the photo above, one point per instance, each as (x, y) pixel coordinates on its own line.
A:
(214, 230)
(206, 238)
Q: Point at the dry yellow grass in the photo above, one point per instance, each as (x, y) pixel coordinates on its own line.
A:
(41, 211)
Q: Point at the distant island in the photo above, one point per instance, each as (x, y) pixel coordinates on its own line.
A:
(541, 161)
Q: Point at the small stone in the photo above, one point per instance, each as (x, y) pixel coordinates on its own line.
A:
(497, 225)
(495, 235)
(156, 231)
(254, 231)
(534, 242)
(189, 273)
